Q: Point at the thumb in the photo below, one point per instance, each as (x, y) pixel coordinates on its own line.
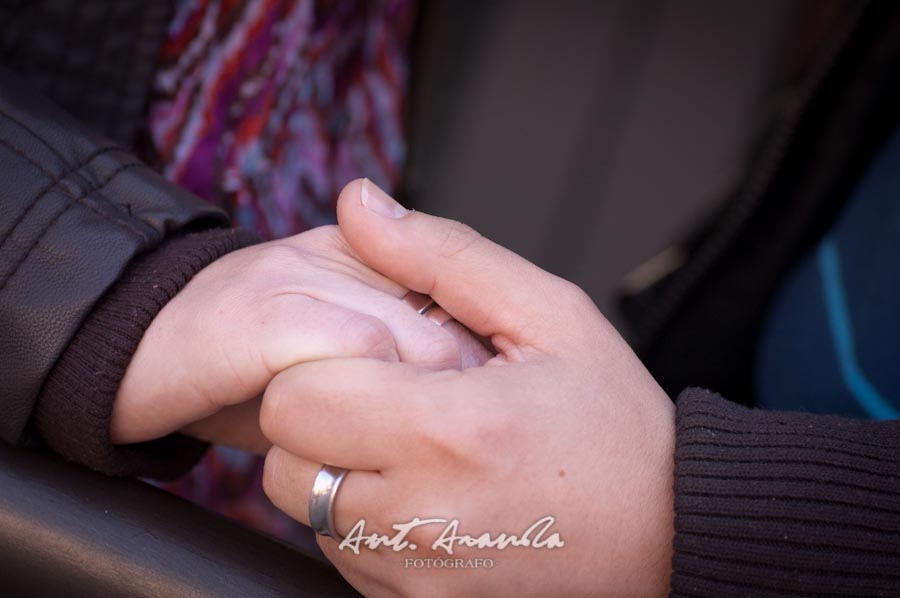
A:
(483, 285)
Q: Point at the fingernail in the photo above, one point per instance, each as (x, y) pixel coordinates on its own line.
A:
(380, 202)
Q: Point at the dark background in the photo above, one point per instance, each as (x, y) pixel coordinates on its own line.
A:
(588, 135)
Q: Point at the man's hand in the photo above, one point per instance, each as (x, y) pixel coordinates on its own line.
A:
(565, 421)
(255, 312)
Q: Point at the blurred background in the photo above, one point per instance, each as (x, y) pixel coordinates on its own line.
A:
(586, 135)
(589, 135)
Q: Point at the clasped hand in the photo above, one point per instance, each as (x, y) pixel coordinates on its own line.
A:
(562, 422)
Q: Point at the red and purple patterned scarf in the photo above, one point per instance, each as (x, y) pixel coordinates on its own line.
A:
(267, 108)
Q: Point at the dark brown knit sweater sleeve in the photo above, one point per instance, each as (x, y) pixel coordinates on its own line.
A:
(772, 503)
(74, 408)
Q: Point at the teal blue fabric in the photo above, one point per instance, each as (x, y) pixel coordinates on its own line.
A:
(831, 343)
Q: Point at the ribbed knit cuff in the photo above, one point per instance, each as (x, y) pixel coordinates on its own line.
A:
(74, 408)
(771, 503)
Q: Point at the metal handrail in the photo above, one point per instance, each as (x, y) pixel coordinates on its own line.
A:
(67, 531)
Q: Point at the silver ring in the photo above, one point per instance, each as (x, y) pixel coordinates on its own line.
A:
(427, 307)
(321, 500)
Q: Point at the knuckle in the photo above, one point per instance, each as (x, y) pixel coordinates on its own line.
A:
(442, 351)
(272, 257)
(326, 237)
(579, 302)
(436, 431)
(468, 435)
(489, 433)
(580, 315)
(447, 352)
(367, 336)
(458, 239)
(574, 293)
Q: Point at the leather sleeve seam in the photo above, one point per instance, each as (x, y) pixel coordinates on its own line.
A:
(73, 201)
(54, 180)
(59, 156)
(89, 189)
(35, 135)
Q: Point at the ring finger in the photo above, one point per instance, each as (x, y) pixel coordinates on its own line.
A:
(288, 481)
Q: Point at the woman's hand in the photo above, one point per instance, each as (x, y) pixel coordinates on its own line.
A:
(563, 422)
(255, 312)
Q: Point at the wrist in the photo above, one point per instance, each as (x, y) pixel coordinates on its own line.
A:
(74, 410)
(653, 516)
(139, 413)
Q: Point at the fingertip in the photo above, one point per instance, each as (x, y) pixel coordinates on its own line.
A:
(369, 236)
(349, 201)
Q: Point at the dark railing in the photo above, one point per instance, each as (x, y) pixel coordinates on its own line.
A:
(67, 531)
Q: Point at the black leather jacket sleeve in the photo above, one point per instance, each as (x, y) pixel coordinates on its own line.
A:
(74, 210)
